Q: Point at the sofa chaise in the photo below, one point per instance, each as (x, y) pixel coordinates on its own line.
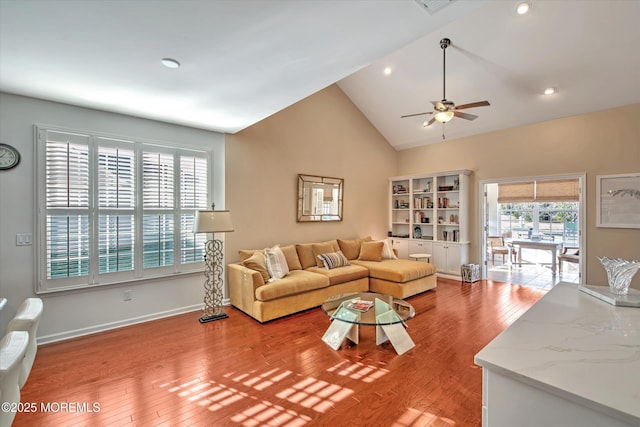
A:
(312, 278)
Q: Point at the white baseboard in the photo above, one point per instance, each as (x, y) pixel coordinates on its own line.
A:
(114, 325)
(449, 276)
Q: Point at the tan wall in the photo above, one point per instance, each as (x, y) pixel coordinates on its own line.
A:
(324, 134)
(606, 142)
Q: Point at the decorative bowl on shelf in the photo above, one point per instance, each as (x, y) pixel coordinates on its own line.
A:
(619, 273)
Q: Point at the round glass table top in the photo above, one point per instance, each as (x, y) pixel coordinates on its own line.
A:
(368, 308)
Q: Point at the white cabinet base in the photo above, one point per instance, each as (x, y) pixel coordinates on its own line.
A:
(448, 257)
(507, 403)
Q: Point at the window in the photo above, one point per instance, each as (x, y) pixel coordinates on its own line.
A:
(552, 220)
(114, 210)
(545, 209)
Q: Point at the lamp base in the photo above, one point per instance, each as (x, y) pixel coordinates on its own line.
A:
(212, 317)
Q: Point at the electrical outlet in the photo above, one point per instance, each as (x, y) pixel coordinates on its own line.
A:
(128, 295)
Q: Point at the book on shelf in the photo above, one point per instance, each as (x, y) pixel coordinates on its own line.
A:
(422, 202)
(399, 189)
(360, 305)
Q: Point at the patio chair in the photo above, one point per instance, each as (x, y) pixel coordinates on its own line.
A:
(570, 233)
(508, 241)
(569, 254)
(496, 246)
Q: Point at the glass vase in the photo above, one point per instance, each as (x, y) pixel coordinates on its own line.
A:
(619, 273)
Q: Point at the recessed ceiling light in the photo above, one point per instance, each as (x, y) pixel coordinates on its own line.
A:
(387, 71)
(550, 91)
(523, 7)
(170, 63)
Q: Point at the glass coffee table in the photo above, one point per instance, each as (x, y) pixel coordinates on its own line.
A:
(388, 314)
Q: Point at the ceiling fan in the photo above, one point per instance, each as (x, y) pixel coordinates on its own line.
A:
(445, 110)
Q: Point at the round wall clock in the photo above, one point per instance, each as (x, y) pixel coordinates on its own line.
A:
(9, 157)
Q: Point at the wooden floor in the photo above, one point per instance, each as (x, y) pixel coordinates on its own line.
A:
(237, 372)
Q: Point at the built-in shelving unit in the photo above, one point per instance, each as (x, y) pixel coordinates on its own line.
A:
(429, 214)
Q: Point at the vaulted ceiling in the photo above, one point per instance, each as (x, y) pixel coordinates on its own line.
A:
(244, 60)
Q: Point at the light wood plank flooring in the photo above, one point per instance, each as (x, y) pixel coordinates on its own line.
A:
(237, 372)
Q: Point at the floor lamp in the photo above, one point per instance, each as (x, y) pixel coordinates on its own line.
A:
(213, 221)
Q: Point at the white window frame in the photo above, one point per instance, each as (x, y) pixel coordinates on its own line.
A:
(45, 285)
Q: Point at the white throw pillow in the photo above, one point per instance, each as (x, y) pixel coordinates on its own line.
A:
(276, 263)
(387, 250)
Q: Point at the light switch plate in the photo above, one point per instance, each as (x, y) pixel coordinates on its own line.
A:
(24, 239)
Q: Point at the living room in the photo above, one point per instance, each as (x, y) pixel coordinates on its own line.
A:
(255, 173)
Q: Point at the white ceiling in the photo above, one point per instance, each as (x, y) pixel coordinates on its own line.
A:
(244, 60)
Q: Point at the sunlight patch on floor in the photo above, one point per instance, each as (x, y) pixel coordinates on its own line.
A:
(307, 392)
(413, 417)
(314, 394)
(265, 413)
(358, 371)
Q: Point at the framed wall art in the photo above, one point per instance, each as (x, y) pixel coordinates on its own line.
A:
(618, 200)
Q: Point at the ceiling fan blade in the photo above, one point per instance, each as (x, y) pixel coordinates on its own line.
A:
(416, 114)
(473, 105)
(430, 122)
(466, 116)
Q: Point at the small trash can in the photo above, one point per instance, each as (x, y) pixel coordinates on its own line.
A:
(470, 272)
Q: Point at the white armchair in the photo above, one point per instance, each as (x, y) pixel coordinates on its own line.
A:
(13, 347)
(27, 319)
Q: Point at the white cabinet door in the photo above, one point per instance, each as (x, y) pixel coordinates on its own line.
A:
(454, 260)
(448, 257)
(439, 258)
(402, 247)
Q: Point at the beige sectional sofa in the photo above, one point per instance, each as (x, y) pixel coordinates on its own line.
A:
(309, 283)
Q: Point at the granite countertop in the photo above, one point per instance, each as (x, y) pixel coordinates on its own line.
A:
(576, 346)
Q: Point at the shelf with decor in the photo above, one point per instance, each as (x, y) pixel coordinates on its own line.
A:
(430, 210)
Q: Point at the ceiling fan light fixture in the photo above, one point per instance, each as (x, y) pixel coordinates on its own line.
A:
(444, 110)
(523, 7)
(443, 116)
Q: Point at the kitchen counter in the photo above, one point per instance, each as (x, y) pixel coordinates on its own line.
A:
(571, 359)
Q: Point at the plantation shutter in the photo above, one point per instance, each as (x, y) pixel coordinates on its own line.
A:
(114, 210)
(158, 205)
(67, 173)
(193, 196)
(116, 206)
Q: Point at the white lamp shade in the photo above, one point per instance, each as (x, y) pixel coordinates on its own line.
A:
(213, 222)
(443, 116)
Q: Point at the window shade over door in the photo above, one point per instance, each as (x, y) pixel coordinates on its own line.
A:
(564, 190)
(516, 192)
(560, 190)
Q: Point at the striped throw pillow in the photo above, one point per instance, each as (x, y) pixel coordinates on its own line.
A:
(276, 263)
(333, 260)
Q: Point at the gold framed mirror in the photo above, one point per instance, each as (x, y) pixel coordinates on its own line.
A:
(319, 198)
